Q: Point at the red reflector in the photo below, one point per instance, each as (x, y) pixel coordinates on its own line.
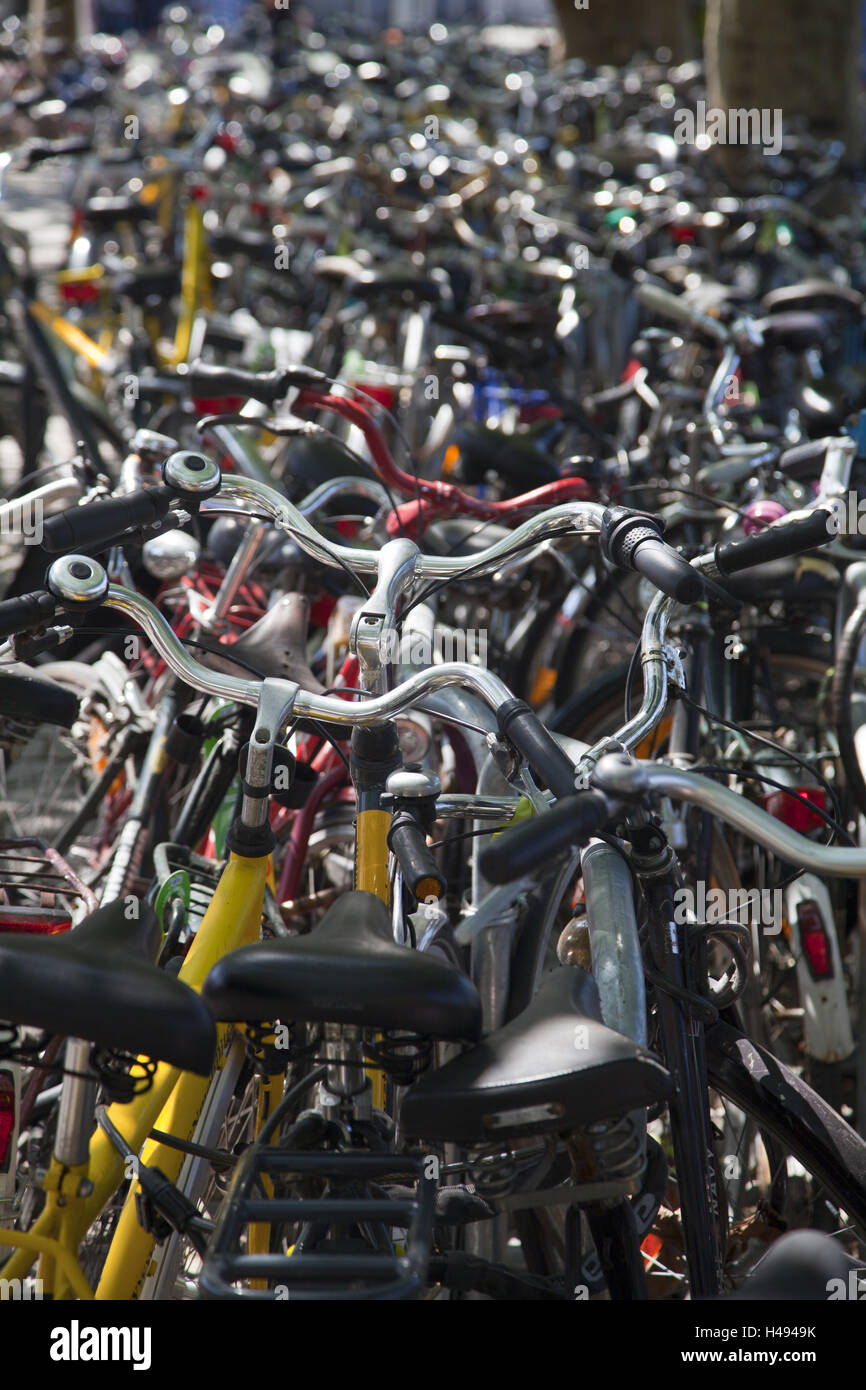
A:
(41, 926)
(218, 405)
(385, 395)
(813, 934)
(7, 1115)
(79, 294)
(794, 813)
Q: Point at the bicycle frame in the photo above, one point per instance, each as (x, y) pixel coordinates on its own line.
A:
(78, 1193)
(76, 1196)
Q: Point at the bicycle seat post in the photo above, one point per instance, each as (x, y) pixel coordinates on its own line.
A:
(77, 1101)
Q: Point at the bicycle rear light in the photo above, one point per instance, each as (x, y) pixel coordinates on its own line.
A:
(794, 813)
(816, 943)
(8, 1093)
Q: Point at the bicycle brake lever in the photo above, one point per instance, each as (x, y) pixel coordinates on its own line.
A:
(283, 425)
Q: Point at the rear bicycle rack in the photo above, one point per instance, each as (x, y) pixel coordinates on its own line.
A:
(39, 892)
(306, 1276)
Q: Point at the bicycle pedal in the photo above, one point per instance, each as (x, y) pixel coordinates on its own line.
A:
(337, 1222)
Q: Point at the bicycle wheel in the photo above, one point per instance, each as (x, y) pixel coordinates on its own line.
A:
(227, 1123)
(50, 773)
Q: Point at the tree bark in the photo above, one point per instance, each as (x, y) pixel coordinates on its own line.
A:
(612, 31)
(798, 56)
(53, 29)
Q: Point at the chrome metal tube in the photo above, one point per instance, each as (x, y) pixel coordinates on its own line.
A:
(236, 573)
(77, 1099)
(620, 777)
(175, 655)
(617, 962)
(480, 806)
(325, 493)
(330, 708)
(18, 510)
(577, 516)
(655, 684)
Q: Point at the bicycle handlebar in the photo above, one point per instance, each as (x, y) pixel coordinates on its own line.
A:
(660, 301)
(622, 777)
(205, 379)
(619, 779)
(100, 522)
(804, 460)
(35, 151)
(571, 518)
(790, 536)
(632, 540)
(571, 822)
(519, 723)
(26, 611)
(438, 498)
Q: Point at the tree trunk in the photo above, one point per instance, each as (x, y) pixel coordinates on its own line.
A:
(798, 56)
(612, 31)
(53, 30)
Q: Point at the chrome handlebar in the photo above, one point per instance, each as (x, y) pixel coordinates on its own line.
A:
(570, 518)
(625, 778)
(328, 708)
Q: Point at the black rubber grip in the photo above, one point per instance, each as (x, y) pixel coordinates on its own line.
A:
(633, 541)
(522, 727)
(787, 537)
(99, 522)
(667, 569)
(26, 611)
(805, 460)
(41, 702)
(408, 842)
(520, 851)
(208, 380)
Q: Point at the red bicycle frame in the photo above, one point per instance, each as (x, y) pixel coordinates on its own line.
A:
(430, 497)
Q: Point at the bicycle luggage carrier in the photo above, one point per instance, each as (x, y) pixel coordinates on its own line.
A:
(385, 1274)
(39, 892)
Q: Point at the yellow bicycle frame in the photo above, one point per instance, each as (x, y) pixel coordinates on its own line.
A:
(75, 1197)
(195, 292)
(371, 874)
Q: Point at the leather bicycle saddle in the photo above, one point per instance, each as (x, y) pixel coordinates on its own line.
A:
(349, 969)
(555, 1068)
(98, 982)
